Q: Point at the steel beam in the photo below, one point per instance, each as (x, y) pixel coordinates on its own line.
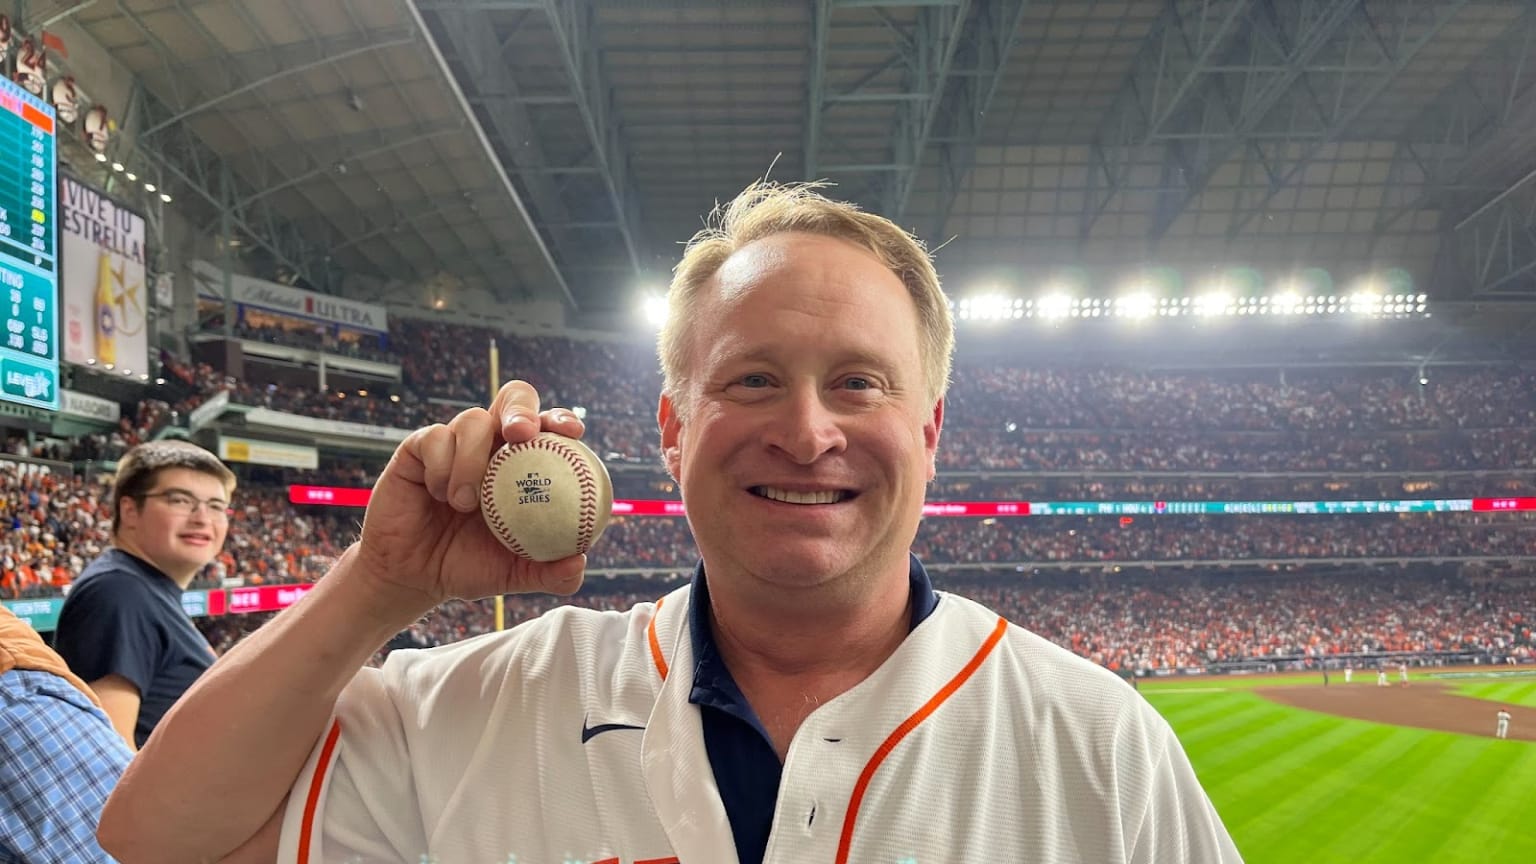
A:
(573, 23)
(991, 31)
(1494, 248)
(402, 219)
(1171, 67)
(821, 23)
(198, 170)
(478, 56)
(233, 74)
(383, 143)
(1384, 44)
(244, 66)
(936, 40)
(277, 76)
(1275, 51)
(1456, 139)
(505, 110)
(490, 152)
(922, 54)
(348, 7)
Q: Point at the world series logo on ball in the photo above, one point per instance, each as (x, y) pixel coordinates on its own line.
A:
(546, 498)
(534, 489)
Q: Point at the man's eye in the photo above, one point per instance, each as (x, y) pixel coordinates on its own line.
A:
(754, 380)
(858, 383)
(178, 500)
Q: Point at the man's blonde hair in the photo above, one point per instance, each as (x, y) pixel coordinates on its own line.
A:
(767, 208)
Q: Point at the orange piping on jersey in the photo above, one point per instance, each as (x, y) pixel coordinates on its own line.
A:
(657, 861)
(656, 655)
(607, 861)
(886, 747)
(312, 802)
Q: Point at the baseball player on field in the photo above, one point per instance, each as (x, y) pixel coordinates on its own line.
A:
(1501, 730)
(809, 697)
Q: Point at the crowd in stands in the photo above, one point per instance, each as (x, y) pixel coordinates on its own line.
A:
(55, 522)
(1145, 623)
(1165, 623)
(1011, 434)
(666, 542)
(1006, 418)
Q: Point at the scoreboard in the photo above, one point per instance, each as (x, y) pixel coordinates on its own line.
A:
(29, 260)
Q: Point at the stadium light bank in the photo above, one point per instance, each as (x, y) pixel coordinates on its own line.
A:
(1216, 304)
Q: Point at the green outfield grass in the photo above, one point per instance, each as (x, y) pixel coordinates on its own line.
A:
(1295, 785)
(1507, 692)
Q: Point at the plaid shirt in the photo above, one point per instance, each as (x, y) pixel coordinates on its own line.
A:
(59, 759)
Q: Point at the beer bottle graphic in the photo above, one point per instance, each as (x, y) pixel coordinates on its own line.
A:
(106, 312)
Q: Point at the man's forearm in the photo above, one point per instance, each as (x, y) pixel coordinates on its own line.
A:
(226, 755)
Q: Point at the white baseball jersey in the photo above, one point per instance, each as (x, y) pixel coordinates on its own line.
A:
(975, 741)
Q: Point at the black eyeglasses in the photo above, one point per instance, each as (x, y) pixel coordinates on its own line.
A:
(186, 503)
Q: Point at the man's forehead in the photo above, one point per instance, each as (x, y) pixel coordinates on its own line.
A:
(789, 252)
(188, 479)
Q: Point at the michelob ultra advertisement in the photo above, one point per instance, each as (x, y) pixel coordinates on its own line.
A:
(102, 281)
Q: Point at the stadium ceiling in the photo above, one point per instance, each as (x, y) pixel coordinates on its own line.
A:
(563, 148)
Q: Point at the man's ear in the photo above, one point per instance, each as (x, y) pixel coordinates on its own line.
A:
(128, 513)
(671, 426)
(931, 430)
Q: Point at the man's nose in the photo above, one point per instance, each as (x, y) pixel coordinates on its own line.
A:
(808, 428)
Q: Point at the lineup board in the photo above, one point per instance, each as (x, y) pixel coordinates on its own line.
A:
(29, 262)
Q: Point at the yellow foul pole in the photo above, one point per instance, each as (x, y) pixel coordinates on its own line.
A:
(501, 602)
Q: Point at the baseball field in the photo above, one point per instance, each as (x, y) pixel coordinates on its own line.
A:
(1298, 775)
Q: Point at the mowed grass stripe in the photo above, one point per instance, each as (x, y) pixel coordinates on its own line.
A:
(1420, 800)
(1509, 692)
(1216, 716)
(1320, 810)
(1296, 785)
(1276, 763)
(1476, 805)
(1331, 818)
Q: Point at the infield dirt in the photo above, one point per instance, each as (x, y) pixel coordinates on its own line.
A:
(1421, 704)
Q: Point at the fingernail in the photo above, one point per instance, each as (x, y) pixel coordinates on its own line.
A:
(560, 415)
(512, 418)
(464, 498)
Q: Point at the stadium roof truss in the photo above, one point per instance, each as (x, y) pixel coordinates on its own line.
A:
(323, 135)
(561, 148)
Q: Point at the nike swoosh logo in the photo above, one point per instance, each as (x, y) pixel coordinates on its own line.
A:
(590, 732)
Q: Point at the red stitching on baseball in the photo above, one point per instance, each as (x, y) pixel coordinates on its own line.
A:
(587, 515)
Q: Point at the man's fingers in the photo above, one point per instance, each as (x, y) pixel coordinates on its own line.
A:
(474, 434)
(562, 422)
(563, 576)
(516, 411)
(436, 453)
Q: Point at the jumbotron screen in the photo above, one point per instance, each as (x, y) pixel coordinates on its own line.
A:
(29, 263)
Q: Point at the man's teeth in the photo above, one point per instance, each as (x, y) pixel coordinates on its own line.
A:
(788, 497)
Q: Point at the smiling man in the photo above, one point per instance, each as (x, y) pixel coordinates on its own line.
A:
(122, 628)
(808, 696)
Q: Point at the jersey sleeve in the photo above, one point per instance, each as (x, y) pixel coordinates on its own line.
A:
(1178, 823)
(355, 800)
(107, 627)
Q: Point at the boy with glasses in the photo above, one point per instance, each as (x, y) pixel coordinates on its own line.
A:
(122, 628)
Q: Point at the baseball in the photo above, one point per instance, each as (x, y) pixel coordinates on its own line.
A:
(547, 498)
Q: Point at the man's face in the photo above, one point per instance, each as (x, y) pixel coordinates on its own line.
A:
(176, 541)
(806, 440)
